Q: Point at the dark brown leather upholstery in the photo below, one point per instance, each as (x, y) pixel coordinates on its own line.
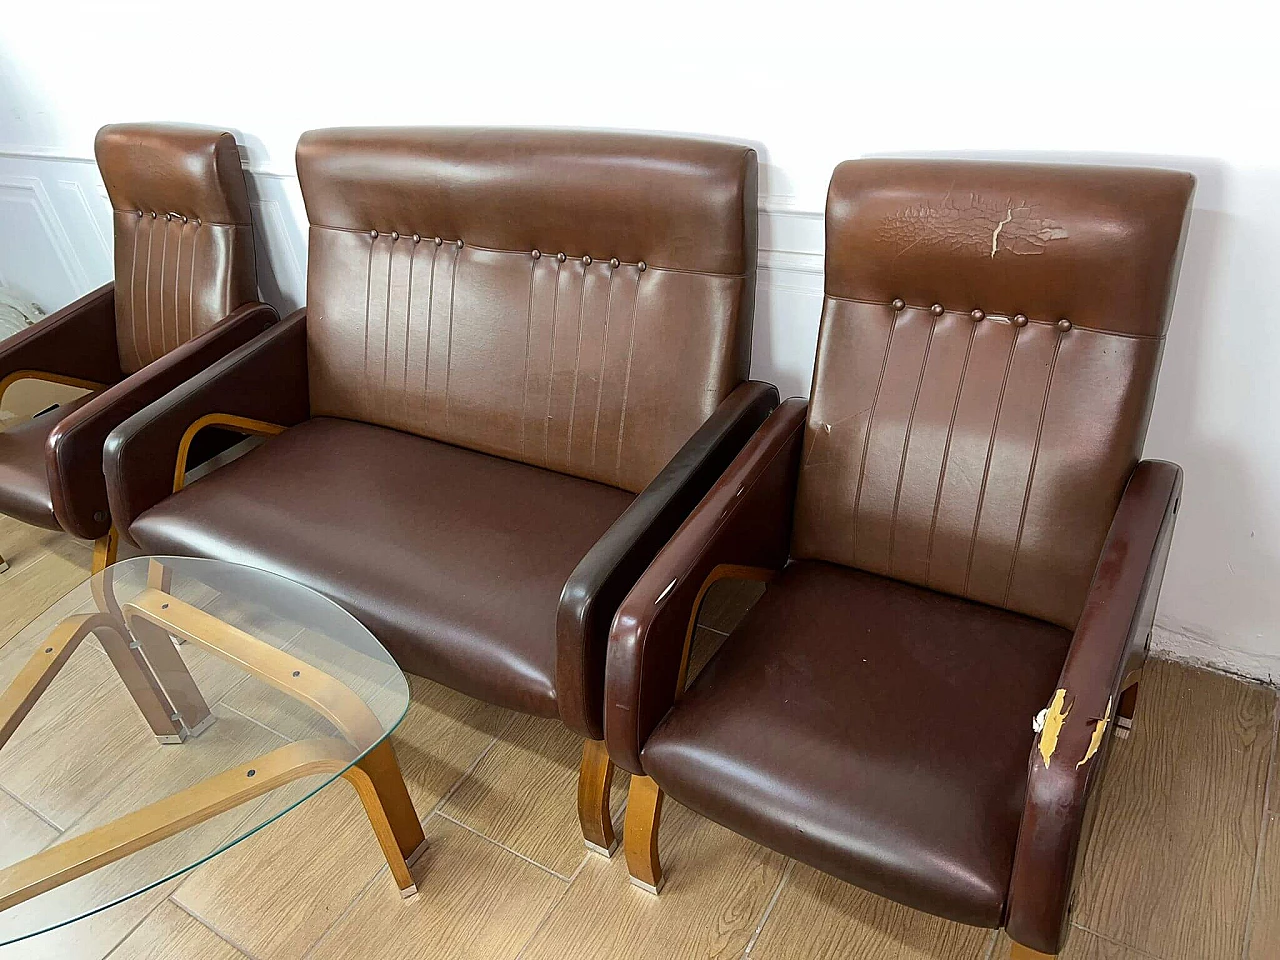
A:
(873, 714)
(598, 355)
(454, 559)
(24, 484)
(613, 394)
(183, 233)
(874, 729)
(180, 277)
(955, 454)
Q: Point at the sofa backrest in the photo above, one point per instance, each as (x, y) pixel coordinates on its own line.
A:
(184, 255)
(577, 300)
(990, 339)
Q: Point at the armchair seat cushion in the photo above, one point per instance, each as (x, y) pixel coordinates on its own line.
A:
(24, 477)
(876, 730)
(454, 559)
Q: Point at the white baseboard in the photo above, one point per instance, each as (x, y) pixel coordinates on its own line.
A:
(1180, 642)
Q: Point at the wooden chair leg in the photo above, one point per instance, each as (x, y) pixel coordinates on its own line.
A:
(644, 816)
(1125, 710)
(595, 779)
(1018, 952)
(105, 549)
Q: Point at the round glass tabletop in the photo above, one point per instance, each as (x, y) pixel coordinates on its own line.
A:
(167, 709)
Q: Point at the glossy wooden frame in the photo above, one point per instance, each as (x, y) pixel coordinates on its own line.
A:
(159, 683)
(245, 425)
(644, 799)
(48, 377)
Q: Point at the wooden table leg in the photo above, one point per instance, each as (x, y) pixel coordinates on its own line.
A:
(380, 785)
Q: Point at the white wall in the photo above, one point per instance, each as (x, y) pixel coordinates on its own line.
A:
(1192, 86)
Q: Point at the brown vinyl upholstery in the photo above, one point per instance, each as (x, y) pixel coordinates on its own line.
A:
(959, 526)
(957, 453)
(521, 364)
(184, 256)
(184, 295)
(578, 301)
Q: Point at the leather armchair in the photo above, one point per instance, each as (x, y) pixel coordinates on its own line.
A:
(522, 363)
(184, 296)
(963, 551)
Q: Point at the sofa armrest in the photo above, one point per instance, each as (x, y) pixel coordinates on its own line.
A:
(265, 379)
(1109, 644)
(76, 344)
(602, 578)
(73, 453)
(742, 526)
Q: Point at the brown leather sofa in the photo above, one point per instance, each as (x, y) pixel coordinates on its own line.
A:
(522, 362)
(957, 534)
(184, 295)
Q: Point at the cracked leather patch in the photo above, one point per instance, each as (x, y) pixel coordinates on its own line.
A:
(973, 225)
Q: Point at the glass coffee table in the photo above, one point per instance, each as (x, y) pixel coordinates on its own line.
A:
(167, 709)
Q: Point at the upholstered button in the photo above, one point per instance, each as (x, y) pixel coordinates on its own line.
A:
(394, 235)
(185, 220)
(168, 216)
(439, 241)
(458, 244)
(899, 303)
(1064, 324)
(977, 316)
(537, 254)
(1020, 320)
(197, 221)
(374, 234)
(139, 214)
(417, 238)
(561, 257)
(937, 310)
(153, 214)
(587, 261)
(614, 263)
(642, 266)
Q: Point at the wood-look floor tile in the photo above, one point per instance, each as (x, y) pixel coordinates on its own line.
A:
(524, 794)
(727, 602)
(821, 918)
(34, 582)
(1170, 864)
(476, 901)
(277, 892)
(228, 742)
(92, 938)
(1081, 945)
(1264, 921)
(24, 833)
(717, 888)
(706, 643)
(82, 736)
(169, 933)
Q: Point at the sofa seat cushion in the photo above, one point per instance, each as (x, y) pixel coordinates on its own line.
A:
(454, 559)
(873, 729)
(24, 478)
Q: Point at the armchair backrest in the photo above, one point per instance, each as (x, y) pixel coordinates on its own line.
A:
(184, 255)
(990, 340)
(576, 300)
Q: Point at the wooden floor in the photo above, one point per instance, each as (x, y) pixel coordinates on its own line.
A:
(1184, 864)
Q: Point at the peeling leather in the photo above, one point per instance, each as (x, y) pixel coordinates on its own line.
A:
(976, 223)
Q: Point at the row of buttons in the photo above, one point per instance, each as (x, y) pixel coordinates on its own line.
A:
(537, 254)
(977, 316)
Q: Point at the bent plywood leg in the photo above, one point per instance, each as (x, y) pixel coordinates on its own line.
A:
(4, 564)
(105, 549)
(34, 678)
(380, 785)
(171, 671)
(116, 840)
(153, 703)
(1128, 704)
(644, 816)
(595, 778)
